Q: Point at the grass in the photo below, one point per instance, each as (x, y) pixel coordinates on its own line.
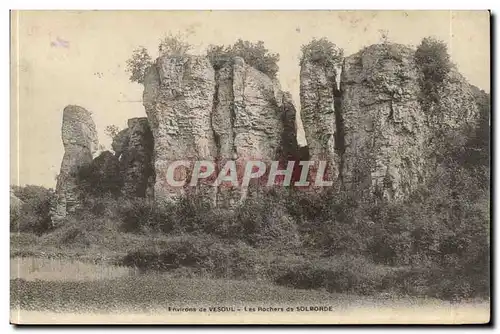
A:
(50, 269)
(149, 292)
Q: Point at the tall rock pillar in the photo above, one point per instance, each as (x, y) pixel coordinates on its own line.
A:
(80, 142)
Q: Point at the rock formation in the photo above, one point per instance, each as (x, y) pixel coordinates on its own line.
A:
(178, 98)
(384, 125)
(384, 130)
(80, 142)
(134, 149)
(197, 114)
(248, 120)
(318, 95)
(370, 120)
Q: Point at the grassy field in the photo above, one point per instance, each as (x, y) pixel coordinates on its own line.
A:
(74, 283)
(147, 299)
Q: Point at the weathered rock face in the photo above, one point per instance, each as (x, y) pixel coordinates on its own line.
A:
(318, 90)
(80, 141)
(178, 98)
(289, 144)
(136, 158)
(383, 131)
(120, 142)
(384, 126)
(248, 121)
(237, 113)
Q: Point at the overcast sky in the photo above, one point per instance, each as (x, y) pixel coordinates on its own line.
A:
(62, 58)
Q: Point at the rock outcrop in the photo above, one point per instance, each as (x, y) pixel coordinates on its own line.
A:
(318, 95)
(134, 149)
(248, 121)
(369, 120)
(289, 144)
(80, 142)
(383, 126)
(236, 113)
(178, 98)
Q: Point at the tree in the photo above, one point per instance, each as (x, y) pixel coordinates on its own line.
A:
(34, 213)
(434, 62)
(254, 54)
(140, 61)
(138, 64)
(322, 51)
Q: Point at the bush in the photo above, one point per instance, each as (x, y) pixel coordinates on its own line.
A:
(138, 64)
(142, 215)
(260, 221)
(102, 177)
(323, 52)
(263, 221)
(328, 221)
(173, 46)
(34, 213)
(341, 274)
(434, 62)
(203, 253)
(254, 54)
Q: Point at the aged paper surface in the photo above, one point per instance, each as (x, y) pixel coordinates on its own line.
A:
(128, 126)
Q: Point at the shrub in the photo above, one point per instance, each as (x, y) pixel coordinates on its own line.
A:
(141, 215)
(434, 62)
(254, 54)
(323, 52)
(138, 64)
(264, 222)
(101, 177)
(173, 46)
(340, 274)
(34, 214)
(203, 253)
(327, 221)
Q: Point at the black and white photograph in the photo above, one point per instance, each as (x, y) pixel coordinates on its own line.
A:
(250, 167)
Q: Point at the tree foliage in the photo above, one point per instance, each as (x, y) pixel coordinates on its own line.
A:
(434, 62)
(112, 131)
(254, 54)
(173, 46)
(34, 213)
(323, 52)
(138, 64)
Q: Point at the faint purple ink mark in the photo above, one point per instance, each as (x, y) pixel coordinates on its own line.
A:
(60, 43)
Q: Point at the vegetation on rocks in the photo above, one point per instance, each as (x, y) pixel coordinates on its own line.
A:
(254, 54)
(434, 62)
(323, 52)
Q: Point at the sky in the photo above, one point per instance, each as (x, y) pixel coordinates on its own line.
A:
(78, 57)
